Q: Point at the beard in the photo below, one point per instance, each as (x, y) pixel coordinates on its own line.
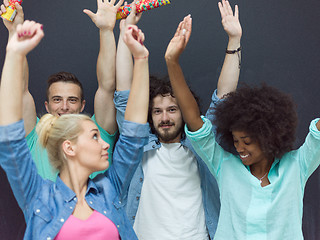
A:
(168, 135)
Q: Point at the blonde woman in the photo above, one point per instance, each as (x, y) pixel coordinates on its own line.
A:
(74, 207)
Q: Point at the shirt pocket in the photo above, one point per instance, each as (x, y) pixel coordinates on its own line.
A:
(41, 211)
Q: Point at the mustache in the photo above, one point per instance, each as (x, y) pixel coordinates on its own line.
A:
(166, 123)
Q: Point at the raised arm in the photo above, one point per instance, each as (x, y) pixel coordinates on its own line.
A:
(138, 102)
(105, 19)
(26, 38)
(230, 71)
(29, 110)
(186, 101)
(124, 63)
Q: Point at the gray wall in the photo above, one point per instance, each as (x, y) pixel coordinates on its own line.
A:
(280, 47)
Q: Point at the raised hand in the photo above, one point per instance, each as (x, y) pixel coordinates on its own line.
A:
(180, 40)
(132, 19)
(19, 18)
(134, 39)
(26, 37)
(105, 17)
(230, 21)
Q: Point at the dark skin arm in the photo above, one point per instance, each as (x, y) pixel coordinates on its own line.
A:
(187, 103)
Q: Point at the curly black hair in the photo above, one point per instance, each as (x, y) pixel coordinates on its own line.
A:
(266, 114)
(161, 86)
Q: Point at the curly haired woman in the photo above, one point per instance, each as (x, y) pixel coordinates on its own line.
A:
(262, 186)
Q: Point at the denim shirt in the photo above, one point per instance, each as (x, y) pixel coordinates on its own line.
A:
(47, 205)
(209, 187)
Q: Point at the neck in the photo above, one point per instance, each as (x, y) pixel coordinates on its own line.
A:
(75, 180)
(262, 168)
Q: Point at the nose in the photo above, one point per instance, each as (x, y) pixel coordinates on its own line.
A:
(65, 106)
(105, 145)
(165, 116)
(239, 147)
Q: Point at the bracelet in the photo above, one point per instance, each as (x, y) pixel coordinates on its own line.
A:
(238, 53)
(233, 51)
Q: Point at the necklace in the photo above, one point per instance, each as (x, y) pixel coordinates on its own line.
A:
(260, 179)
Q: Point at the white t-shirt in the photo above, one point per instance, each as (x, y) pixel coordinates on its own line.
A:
(170, 206)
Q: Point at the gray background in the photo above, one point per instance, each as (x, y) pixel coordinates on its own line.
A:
(280, 47)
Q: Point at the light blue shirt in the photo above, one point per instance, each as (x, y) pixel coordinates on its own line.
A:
(249, 211)
(46, 205)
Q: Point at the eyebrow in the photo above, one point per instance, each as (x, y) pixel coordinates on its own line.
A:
(94, 130)
(58, 96)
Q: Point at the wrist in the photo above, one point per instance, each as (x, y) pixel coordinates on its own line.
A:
(145, 57)
(234, 43)
(171, 60)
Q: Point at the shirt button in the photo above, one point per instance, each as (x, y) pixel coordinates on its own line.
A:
(61, 220)
(38, 210)
(105, 212)
(75, 199)
(141, 179)
(153, 146)
(90, 202)
(48, 238)
(133, 217)
(71, 207)
(119, 202)
(118, 226)
(138, 198)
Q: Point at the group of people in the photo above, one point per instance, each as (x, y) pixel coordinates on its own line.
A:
(166, 176)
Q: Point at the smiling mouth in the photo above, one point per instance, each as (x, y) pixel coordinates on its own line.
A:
(243, 156)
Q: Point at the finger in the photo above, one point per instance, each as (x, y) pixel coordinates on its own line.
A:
(19, 30)
(27, 26)
(122, 24)
(178, 29)
(39, 34)
(6, 3)
(236, 11)
(3, 9)
(188, 28)
(89, 13)
(221, 9)
(118, 4)
(19, 8)
(229, 9)
(141, 38)
(33, 28)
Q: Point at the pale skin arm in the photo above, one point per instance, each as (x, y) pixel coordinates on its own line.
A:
(186, 101)
(29, 109)
(229, 76)
(105, 19)
(138, 102)
(27, 37)
(124, 62)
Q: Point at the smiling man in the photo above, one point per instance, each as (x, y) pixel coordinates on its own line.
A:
(65, 92)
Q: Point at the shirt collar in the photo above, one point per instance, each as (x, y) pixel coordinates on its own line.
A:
(68, 194)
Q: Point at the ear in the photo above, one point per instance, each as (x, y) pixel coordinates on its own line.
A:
(46, 104)
(68, 148)
(83, 104)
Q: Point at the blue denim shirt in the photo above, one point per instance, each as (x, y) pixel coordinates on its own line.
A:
(209, 187)
(47, 205)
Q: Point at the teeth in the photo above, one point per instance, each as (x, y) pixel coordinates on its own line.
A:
(244, 156)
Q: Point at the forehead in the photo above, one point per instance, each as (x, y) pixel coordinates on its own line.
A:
(164, 101)
(64, 89)
(88, 126)
(240, 134)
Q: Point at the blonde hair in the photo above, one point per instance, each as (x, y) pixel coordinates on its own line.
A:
(54, 130)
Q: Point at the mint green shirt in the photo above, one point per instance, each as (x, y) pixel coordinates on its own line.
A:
(249, 211)
(40, 156)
